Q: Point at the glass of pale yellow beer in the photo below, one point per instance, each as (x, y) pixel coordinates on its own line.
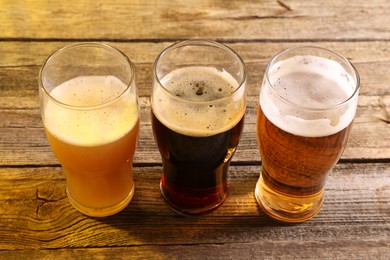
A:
(90, 112)
(307, 103)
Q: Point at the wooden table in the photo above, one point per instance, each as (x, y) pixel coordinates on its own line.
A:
(36, 219)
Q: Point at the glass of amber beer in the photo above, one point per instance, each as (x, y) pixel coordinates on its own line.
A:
(198, 104)
(90, 111)
(307, 103)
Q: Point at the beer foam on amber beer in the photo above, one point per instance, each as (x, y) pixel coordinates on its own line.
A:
(98, 125)
(306, 96)
(189, 107)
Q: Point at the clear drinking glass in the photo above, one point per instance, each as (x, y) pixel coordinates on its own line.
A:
(90, 112)
(198, 104)
(307, 103)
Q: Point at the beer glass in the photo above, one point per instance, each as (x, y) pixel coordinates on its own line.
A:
(307, 103)
(198, 104)
(90, 113)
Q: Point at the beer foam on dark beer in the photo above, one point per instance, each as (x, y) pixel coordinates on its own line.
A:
(184, 108)
(312, 83)
(97, 126)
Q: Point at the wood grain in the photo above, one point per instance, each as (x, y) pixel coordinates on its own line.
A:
(37, 215)
(341, 249)
(229, 20)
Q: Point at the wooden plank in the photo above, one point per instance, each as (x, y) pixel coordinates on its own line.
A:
(230, 20)
(23, 141)
(341, 249)
(35, 214)
(25, 58)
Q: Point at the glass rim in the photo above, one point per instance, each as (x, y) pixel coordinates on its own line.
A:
(86, 44)
(207, 43)
(331, 107)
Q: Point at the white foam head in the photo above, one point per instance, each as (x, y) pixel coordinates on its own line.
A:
(101, 124)
(188, 108)
(306, 96)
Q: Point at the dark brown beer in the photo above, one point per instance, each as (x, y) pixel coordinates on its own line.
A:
(195, 168)
(197, 136)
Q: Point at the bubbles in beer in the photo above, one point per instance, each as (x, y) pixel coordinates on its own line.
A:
(194, 86)
(83, 126)
(200, 83)
(306, 94)
(88, 91)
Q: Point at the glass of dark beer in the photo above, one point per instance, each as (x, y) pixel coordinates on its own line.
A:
(198, 104)
(307, 103)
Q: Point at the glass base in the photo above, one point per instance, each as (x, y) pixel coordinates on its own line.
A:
(102, 212)
(287, 208)
(195, 202)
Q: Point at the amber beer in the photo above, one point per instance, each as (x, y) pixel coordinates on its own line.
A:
(305, 113)
(92, 126)
(197, 119)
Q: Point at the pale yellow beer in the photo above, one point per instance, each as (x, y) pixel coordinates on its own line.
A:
(92, 126)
